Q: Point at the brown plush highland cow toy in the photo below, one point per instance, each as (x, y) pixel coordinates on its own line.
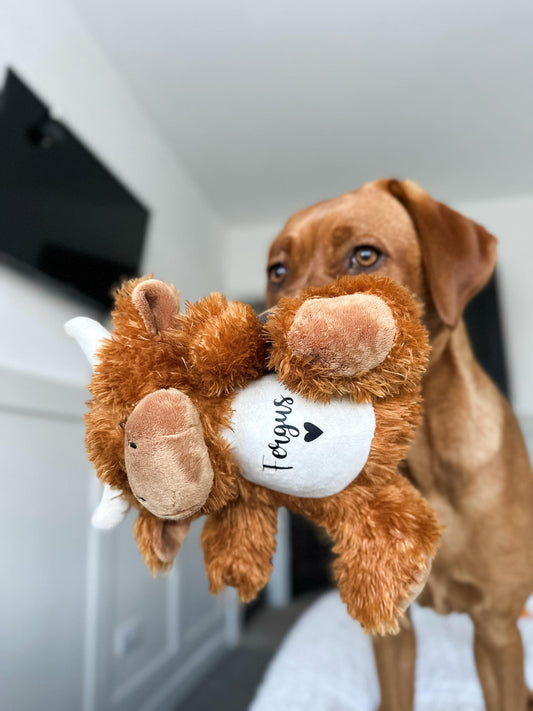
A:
(211, 412)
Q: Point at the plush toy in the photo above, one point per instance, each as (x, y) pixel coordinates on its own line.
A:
(214, 412)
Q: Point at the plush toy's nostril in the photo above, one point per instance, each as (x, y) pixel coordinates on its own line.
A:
(133, 445)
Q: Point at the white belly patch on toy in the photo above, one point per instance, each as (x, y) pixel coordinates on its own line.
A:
(295, 446)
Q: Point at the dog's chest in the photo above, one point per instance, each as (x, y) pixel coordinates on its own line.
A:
(298, 447)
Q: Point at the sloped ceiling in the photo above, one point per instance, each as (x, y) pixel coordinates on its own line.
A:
(273, 104)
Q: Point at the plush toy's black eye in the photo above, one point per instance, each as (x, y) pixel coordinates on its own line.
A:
(133, 445)
(364, 257)
(277, 273)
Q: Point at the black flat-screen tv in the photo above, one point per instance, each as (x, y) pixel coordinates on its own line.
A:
(62, 213)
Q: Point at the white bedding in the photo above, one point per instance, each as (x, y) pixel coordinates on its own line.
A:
(326, 663)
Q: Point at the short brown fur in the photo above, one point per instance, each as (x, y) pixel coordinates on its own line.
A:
(468, 457)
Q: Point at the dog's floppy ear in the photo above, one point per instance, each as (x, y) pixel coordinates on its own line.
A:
(458, 254)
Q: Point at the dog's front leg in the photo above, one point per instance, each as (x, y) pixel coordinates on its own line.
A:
(499, 658)
(395, 662)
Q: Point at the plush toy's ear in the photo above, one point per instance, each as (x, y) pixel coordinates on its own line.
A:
(157, 303)
(159, 540)
(167, 539)
(458, 254)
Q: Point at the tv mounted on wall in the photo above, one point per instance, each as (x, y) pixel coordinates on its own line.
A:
(62, 213)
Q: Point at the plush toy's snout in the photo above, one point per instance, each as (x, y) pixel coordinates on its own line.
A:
(167, 462)
(364, 331)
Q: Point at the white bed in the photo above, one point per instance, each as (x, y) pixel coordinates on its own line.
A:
(326, 663)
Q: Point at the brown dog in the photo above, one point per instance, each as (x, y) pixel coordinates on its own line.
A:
(468, 458)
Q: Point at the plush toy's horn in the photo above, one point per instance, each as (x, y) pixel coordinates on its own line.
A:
(111, 510)
(89, 334)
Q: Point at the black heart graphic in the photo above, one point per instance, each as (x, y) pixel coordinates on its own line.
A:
(312, 432)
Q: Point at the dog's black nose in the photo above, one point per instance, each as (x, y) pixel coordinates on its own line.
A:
(263, 316)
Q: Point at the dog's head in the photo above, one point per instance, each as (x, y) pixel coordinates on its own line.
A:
(391, 228)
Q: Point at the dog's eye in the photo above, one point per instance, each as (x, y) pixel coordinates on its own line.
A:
(365, 257)
(277, 273)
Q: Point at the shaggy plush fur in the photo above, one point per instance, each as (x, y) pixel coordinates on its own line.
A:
(385, 534)
(189, 355)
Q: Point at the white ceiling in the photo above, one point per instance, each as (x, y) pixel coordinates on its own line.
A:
(273, 104)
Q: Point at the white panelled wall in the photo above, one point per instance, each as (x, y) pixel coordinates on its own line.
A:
(83, 624)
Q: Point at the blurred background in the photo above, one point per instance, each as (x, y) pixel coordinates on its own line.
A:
(175, 138)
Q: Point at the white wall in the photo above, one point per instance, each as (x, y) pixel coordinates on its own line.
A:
(245, 259)
(46, 43)
(70, 593)
(43, 544)
(509, 218)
